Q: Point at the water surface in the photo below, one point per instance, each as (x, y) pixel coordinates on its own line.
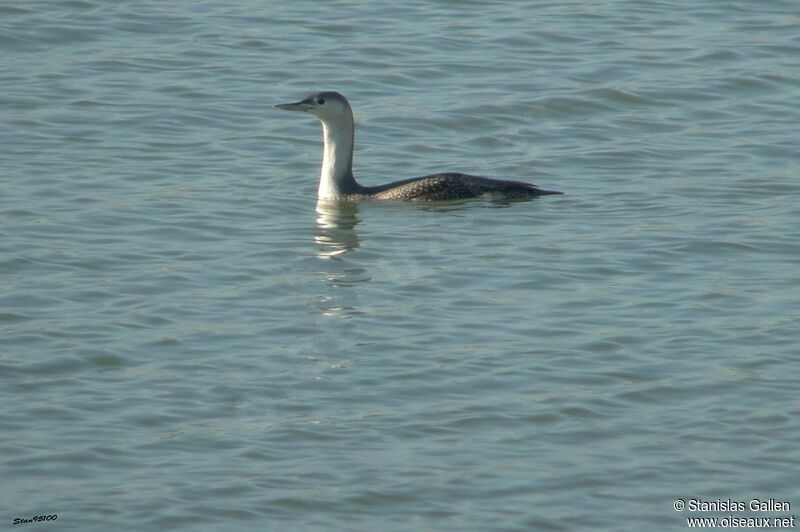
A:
(190, 342)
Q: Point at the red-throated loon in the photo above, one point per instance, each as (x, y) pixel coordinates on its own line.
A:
(337, 181)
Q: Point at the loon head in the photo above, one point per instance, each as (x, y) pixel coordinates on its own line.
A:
(328, 106)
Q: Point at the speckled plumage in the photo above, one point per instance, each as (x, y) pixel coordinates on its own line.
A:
(454, 186)
(337, 181)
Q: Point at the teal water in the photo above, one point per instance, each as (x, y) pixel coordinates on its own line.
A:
(190, 342)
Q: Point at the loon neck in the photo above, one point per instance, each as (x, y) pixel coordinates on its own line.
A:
(336, 180)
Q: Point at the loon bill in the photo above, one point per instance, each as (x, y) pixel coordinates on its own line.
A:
(338, 183)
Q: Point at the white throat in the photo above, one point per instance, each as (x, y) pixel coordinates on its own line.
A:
(337, 178)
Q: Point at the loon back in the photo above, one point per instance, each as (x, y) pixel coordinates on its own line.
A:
(454, 186)
(338, 183)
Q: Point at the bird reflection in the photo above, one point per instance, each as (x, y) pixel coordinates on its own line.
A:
(335, 237)
(336, 222)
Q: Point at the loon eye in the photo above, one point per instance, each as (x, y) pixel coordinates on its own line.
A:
(321, 101)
